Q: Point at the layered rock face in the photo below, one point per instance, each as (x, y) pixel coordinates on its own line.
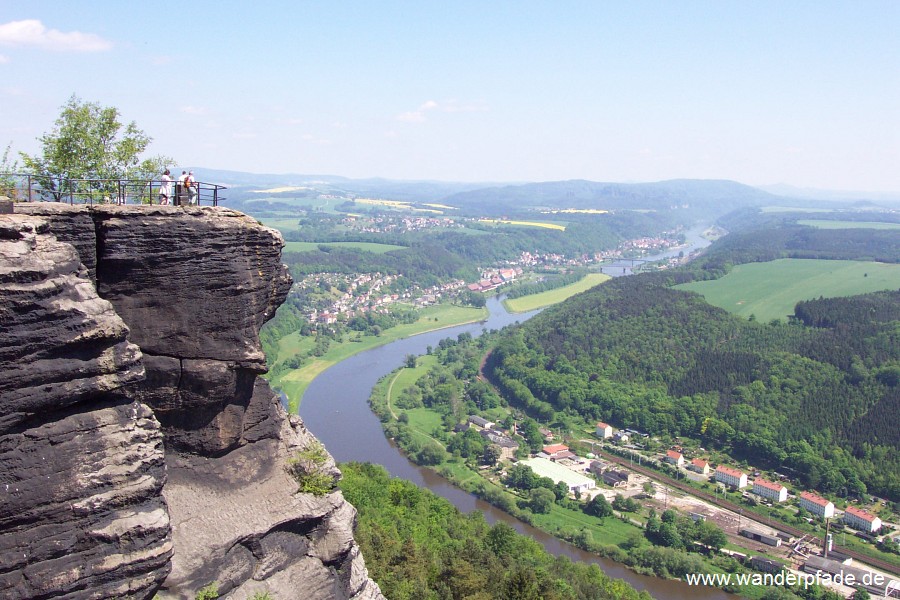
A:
(81, 466)
(130, 327)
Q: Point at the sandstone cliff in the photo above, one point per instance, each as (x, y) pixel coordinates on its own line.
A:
(140, 453)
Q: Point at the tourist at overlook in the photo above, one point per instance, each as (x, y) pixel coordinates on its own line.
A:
(180, 190)
(192, 189)
(165, 190)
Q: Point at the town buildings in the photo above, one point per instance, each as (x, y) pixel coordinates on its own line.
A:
(674, 457)
(773, 491)
(698, 465)
(576, 482)
(731, 477)
(861, 520)
(556, 452)
(508, 447)
(603, 431)
(817, 505)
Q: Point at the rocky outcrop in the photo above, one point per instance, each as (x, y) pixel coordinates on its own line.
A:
(135, 432)
(81, 467)
(194, 286)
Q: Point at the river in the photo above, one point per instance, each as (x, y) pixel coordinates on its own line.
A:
(335, 409)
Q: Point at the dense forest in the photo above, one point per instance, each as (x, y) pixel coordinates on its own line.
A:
(817, 397)
(418, 545)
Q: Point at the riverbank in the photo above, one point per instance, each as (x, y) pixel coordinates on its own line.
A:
(294, 383)
(621, 537)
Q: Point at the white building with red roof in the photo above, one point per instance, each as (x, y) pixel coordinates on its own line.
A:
(674, 457)
(603, 430)
(861, 520)
(731, 477)
(773, 491)
(698, 465)
(817, 505)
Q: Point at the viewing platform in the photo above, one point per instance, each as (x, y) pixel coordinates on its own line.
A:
(27, 187)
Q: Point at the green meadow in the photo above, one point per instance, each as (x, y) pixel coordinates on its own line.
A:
(364, 246)
(770, 290)
(542, 299)
(824, 224)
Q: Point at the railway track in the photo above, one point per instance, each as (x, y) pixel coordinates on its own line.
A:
(793, 531)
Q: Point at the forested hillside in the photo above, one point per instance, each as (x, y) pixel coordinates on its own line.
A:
(418, 545)
(820, 400)
(708, 198)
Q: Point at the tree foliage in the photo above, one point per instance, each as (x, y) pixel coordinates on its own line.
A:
(89, 141)
(820, 401)
(417, 545)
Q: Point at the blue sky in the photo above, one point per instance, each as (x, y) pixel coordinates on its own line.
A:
(803, 93)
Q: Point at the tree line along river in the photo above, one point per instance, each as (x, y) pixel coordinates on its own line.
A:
(335, 409)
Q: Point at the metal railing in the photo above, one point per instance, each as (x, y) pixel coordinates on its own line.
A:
(27, 187)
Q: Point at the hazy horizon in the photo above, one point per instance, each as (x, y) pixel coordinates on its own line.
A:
(764, 94)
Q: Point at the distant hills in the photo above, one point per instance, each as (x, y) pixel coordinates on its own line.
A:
(705, 197)
(714, 195)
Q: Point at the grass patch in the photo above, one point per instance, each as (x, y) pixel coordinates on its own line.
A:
(825, 224)
(610, 530)
(407, 377)
(534, 301)
(424, 420)
(362, 246)
(770, 290)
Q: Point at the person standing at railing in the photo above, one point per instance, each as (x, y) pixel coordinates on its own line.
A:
(193, 191)
(165, 190)
(179, 189)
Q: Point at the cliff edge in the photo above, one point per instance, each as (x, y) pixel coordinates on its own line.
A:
(140, 451)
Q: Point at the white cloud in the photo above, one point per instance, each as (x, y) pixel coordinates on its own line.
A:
(294, 121)
(450, 106)
(193, 110)
(161, 61)
(3, 59)
(308, 137)
(411, 117)
(32, 32)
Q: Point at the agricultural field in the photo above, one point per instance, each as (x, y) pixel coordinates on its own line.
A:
(362, 246)
(535, 301)
(319, 204)
(823, 224)
(397, 205)
(770, 290)
(544, 224)
(282, 224)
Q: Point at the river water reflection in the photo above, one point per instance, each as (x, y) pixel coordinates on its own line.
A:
(335, 408)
